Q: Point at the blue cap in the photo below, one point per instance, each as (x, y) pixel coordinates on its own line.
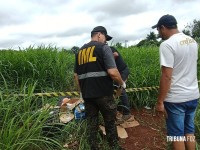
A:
(166, 20)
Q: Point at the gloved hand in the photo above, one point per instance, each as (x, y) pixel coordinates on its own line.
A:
(123, 85)
(81, 98)
(81, 95)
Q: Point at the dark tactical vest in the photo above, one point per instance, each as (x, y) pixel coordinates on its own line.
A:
(93, 78)
(121, 65)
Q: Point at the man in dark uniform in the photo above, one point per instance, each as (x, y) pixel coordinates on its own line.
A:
(124, 72)
(95, 70)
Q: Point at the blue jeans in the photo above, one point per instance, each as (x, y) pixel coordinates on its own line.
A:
(180, 120)
(124, 105)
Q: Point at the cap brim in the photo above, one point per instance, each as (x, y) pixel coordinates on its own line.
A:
(155, 26)
(108, 37)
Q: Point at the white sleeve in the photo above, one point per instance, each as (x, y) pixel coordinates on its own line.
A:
(166, 55)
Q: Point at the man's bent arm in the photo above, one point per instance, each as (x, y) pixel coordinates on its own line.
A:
(115, 75)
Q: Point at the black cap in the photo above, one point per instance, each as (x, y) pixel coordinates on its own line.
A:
(102, 30)
(166, 20)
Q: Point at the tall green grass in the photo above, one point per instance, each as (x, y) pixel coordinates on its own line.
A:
(21, 125)
(24, 125)
(51, 68)
(144, 69)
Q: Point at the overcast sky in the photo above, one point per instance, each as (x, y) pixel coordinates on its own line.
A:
(68, 23)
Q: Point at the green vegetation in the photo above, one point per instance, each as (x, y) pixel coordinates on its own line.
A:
(50, 68)
(193, 29)
(46, 69)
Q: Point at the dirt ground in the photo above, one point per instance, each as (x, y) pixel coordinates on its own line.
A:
(149, 135)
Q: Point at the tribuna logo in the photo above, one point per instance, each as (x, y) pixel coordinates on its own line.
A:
(180, 138)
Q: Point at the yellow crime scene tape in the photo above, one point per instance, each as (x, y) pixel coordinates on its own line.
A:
(52, 94)
(56, 94)
(142, 89)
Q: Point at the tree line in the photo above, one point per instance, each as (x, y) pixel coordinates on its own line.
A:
(191, 29)
(152, 39)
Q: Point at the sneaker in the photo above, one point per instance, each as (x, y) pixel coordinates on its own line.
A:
(128, 118)
(119, 115)
(119, 119)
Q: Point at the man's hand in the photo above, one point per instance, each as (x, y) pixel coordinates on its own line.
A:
(115, 54)
(160, 107)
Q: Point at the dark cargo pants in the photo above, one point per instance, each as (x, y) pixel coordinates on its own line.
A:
(107, 107)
